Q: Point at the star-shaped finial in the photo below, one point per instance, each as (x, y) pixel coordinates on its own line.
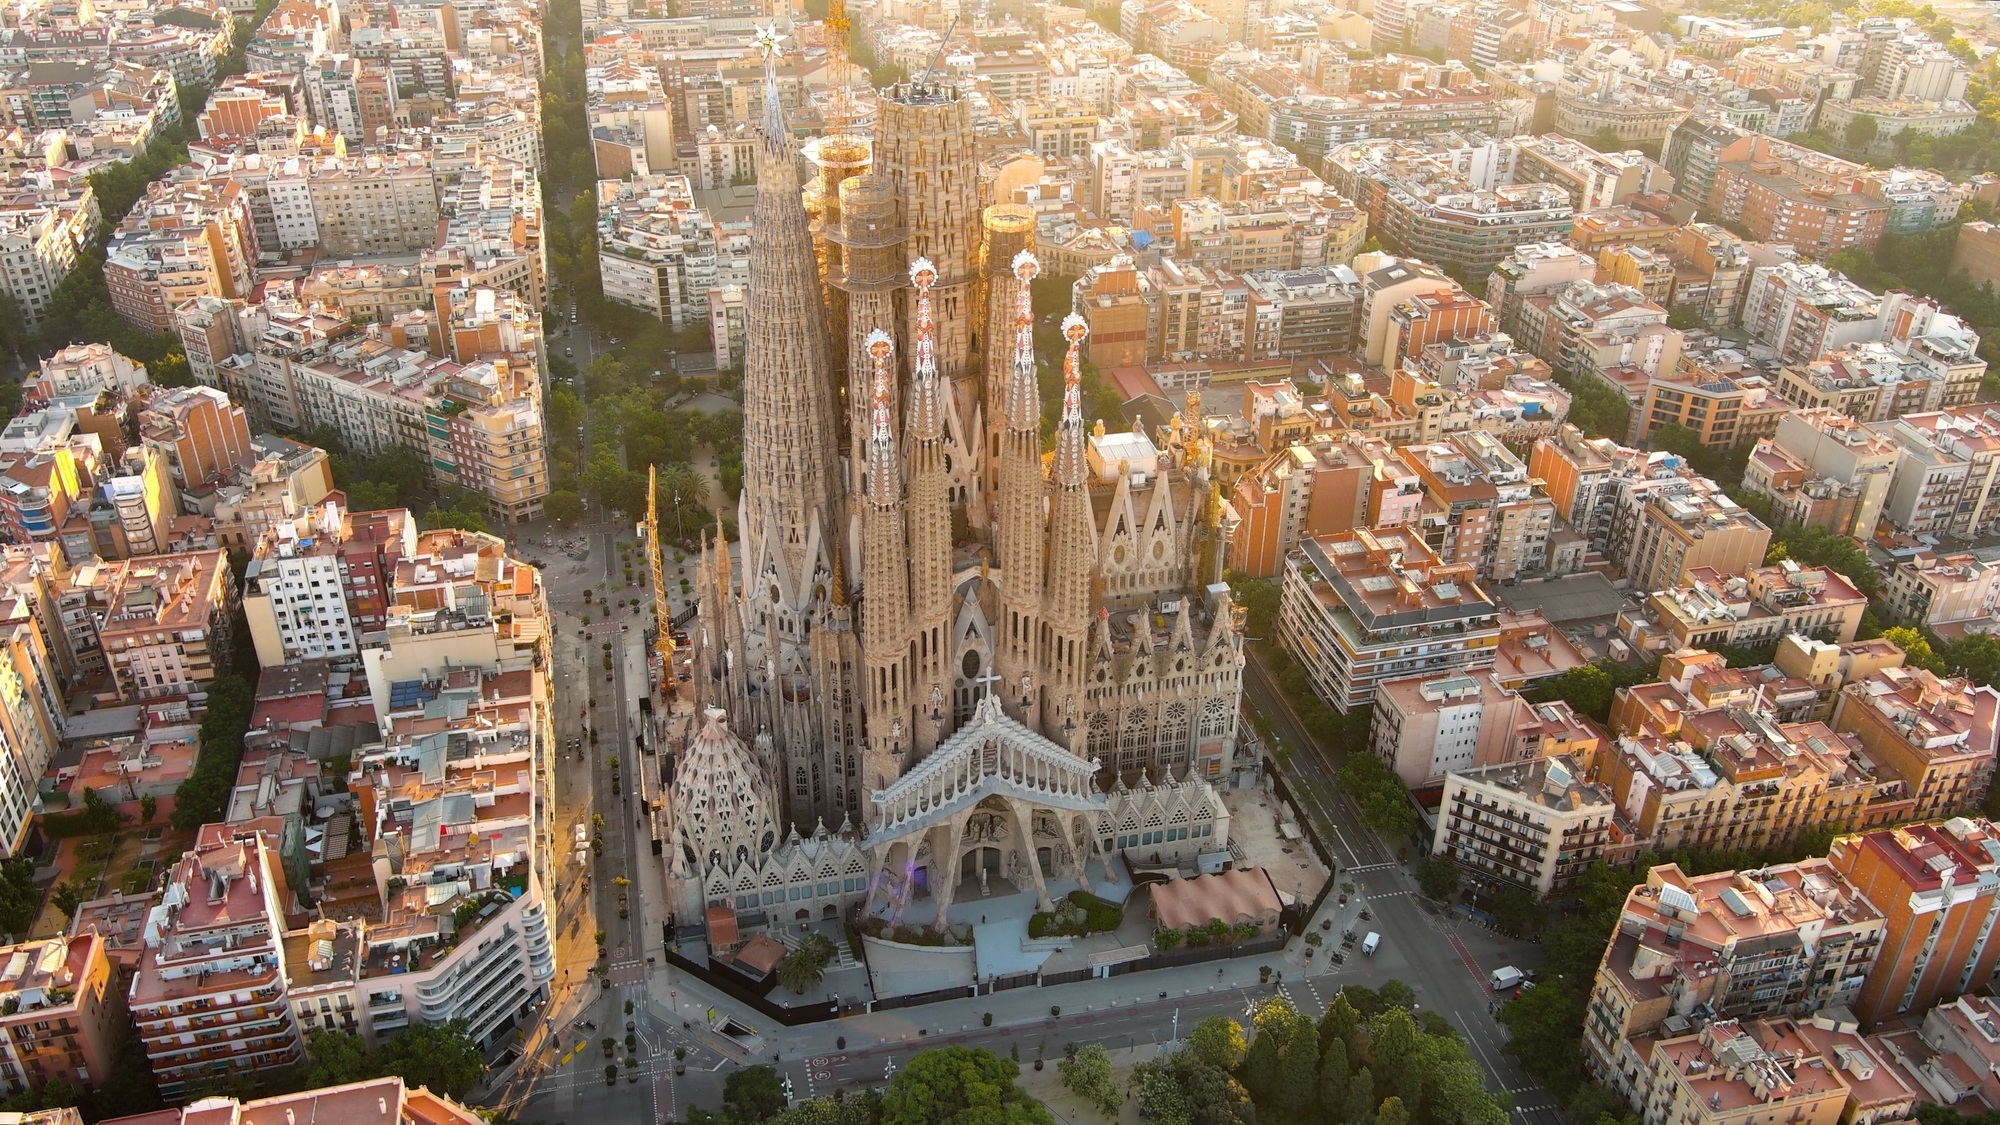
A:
(768, 39)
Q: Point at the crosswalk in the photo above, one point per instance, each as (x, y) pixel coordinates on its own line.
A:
(1366, 868)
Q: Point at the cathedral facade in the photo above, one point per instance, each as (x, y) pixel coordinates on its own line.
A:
(945, 651)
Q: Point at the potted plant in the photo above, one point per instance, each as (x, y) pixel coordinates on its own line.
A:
(611, 1074)
(680, 1060)
(1263, 974)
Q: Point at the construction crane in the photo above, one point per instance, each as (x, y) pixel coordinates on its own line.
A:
(663, 612)
(840, 101)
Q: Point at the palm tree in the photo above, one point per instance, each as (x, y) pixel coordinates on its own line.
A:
(683, 498)
(805, 966)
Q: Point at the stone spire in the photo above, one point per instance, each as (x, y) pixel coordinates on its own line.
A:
(929, 516)
(1066, 606)
(789, 475)
(1020, 501)
(886, 639)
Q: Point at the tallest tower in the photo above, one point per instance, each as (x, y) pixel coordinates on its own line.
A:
(790, 481)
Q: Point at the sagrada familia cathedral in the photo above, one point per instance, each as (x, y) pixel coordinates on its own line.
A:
(942, 654)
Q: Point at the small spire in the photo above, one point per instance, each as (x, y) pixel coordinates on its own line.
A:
(926, 412)
(1070, 467)
(882, 467)
(1023, 393)
(777, 134)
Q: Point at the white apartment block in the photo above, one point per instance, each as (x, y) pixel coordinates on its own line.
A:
(87, 369)
(38, 247)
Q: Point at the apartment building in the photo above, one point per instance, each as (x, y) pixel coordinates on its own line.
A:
(659, 251)
(1726, 1074)
(1712, 267)
(84, 369)
(1426, 727)
(1364, 606)
(1419, 203)
(1942, 590)
(1530, 269)
(1797, 937)
(387, 1101)
(161, 623)
(1593, 179)
(1682, 529)
(1785, 193)
(32, 680)
(1937, 735)
(203, 438)
(1945, 472)
(1483, 511)
(1607, 225)
(1318, 485)
(1299, 312)
(1292, 229)
(317, 584)
(374, 204)
(1936, 885)
(182, 240)
(208, 997)
(38, 247)
(132, 513)
(1535, 824)
(60, 1015)
(1723, 408)
(1757, 607)
(1823, 469)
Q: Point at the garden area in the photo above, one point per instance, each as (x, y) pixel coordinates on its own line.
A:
(1079, 915)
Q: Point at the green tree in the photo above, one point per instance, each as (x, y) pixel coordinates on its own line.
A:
(1437, 878)
(442, 1057)
(335, 1058)
(1360, 1107)
(1259, 599)
(1976, 655)
(753, 1094)
(1916, 647)
(1340, 1021)
(1518, 911)
(1393, 1054)
(56, 1093)
(1391, 1112)
(1685, 317)
(1298, 1068)
(1333, 1074)
(1862, 129)
(148, 807)
(1218, 1042)
(563, 505)
(1214, 1098)
(66, 898)
(1161, 1097)
(805, 967)
(1087, 1074)
(960, 1086)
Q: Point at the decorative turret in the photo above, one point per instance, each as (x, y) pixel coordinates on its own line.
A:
(929, 513)
(885, 646)
(1066, 605)
(1020, 526)
(723, 808)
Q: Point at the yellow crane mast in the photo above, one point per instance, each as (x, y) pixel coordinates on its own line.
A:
(663, 612)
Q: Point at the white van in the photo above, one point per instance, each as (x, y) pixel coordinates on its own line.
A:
(1370, 943)
(1504, 978)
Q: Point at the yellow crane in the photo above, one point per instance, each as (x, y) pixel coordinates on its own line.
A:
(663, 612)
(840, 101)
